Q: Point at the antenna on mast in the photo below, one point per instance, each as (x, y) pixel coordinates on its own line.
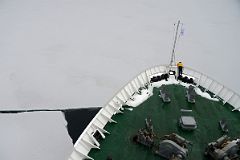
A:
(173, 60)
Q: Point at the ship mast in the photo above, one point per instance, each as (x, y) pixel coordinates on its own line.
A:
(173, 61)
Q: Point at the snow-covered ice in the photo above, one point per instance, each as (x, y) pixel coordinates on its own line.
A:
(38, 136)
(62, 53)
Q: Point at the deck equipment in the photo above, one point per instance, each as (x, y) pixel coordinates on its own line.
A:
(164, 94)
(191, 94)
(224, 149)
(186, 121)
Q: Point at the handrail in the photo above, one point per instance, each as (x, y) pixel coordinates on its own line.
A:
(86, 141)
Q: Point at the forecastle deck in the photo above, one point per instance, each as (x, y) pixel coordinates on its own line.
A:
(119, 144)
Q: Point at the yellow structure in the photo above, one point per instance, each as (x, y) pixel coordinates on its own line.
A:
(179, 64)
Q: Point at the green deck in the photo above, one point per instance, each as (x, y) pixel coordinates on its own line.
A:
(165, 121)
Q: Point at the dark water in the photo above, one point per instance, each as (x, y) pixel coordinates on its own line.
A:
(77, 119)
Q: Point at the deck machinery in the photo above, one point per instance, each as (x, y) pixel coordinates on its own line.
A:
(224, 149)
(172, 146)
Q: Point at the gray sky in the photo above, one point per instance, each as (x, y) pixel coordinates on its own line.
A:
(71, 53)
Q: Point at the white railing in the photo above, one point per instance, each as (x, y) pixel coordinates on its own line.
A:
(87, 141)
(219, 90)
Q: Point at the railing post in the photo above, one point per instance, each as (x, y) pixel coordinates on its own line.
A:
(209, 85)
(225, 101)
